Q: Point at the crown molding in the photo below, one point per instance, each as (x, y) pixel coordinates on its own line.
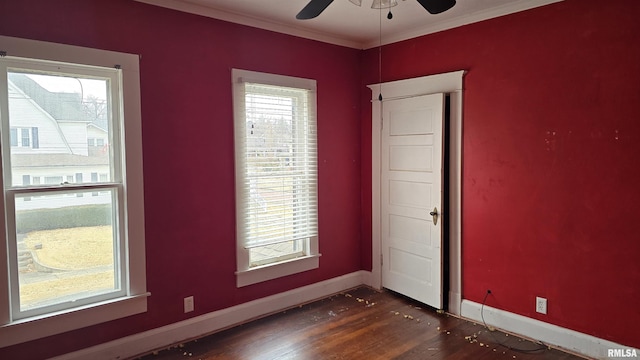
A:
(510, 8)
(265, 24)
(259, 23)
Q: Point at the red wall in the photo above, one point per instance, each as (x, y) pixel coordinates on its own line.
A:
(188, 149)
(550, 169)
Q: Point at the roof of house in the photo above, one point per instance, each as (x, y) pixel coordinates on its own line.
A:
(97, 156)
(62, 106)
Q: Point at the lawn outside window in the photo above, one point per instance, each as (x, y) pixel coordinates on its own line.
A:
(276, 175)
(71, 235)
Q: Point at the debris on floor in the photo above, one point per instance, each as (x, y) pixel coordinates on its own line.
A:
(404, 311)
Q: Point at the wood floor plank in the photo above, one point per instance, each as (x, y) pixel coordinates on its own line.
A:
(359, 324)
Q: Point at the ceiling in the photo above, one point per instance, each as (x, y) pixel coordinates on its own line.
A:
(346, 24)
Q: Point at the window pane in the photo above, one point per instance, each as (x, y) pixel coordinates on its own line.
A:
(66, 247)
(279, 165)
(25, 138)
(53, 180)
(52, 117)
(263, 255)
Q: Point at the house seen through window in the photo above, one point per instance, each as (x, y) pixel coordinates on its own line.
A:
(56, 230)
(72, 223)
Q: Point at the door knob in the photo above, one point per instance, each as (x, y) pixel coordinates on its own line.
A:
(434, 214)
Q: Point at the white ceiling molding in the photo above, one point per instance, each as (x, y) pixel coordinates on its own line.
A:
(345, 24)
(430, 28)
(260, 23)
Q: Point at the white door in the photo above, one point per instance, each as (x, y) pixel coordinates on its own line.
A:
(411, 199)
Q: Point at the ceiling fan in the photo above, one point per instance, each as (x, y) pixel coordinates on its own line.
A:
(316, 7)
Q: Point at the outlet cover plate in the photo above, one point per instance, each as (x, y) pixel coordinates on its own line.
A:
(541, 305)
(188, 304)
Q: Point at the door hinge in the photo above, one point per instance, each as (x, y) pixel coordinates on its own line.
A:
(381, 260)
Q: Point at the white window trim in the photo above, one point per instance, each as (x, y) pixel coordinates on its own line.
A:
(135, 302)
(244, 274)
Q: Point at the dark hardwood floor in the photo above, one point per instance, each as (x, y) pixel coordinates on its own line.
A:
(360, 324)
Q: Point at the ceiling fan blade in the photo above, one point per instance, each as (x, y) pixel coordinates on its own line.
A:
(313, 9)
(437, 6)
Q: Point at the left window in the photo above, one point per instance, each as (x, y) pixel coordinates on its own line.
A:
(74, 242)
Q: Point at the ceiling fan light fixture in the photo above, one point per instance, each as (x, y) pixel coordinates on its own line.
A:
(383, 4)
(316, 7)
(437, 6)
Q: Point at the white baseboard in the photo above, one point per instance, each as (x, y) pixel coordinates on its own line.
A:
(549, 334)
(162, 337)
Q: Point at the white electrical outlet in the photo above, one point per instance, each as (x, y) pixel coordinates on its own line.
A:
(188, 304)
(541, 305)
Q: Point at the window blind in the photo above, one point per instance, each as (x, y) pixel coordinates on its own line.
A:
(276, 131)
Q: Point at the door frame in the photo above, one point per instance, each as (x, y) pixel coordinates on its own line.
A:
(449, 83)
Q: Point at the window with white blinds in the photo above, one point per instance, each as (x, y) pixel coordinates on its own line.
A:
(276, 168)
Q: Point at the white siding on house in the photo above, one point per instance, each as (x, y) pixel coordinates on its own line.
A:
(76, 135)
(25, 113)
(64, 172)
(98, 135)
(62, 150)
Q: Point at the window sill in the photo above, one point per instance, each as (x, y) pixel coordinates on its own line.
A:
(274, 271)
(36, 327)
